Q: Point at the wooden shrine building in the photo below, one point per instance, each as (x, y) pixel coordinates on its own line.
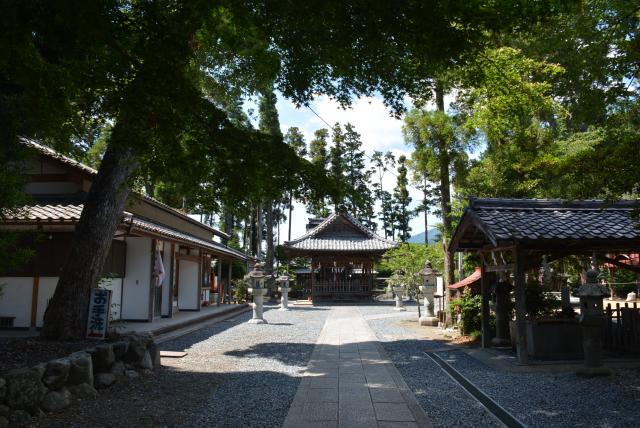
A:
(342, 253)
(514, 235)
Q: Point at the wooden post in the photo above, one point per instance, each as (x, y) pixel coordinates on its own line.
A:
(172, 281)
(313, 280)
(229, 280)
(521, 326)
(484, 292)
(219, 279)
(34, 300)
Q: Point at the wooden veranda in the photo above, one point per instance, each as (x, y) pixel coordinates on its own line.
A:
(513, 236)
(341, 254)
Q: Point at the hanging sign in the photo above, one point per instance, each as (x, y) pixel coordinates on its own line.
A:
(98, 320)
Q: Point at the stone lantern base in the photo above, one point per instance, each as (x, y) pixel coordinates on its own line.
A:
(399, 304)
(428, 321)
(258, 300)
(284, 301)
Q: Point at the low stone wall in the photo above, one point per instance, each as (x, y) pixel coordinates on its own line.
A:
(50, 386)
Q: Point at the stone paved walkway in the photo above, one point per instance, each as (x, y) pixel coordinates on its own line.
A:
(349, 382)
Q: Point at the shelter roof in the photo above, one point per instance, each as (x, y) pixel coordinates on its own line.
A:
(475, 276)
(546, 222)
(340, 232)
(70, 214)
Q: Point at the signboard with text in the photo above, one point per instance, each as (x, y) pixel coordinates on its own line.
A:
(98, 320)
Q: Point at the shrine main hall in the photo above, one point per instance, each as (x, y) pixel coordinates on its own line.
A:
(341, 252)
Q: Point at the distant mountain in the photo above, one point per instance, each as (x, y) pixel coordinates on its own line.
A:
(434, 236)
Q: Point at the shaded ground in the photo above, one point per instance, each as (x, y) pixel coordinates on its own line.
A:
(234, 374)
(17, 352)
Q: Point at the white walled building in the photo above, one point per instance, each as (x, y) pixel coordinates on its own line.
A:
(149, 231)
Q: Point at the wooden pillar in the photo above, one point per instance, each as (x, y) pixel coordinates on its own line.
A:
(484, 292)
(219, 278)
(171, 279)
(313, 280)
(229, 279)
(521, 326)
(34, 300)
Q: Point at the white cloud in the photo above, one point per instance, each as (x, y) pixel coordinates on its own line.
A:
(378, 129)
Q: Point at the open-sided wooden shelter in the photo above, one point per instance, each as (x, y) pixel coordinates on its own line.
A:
(342, 253)
(513, 235)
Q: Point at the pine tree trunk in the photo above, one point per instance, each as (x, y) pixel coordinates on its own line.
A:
(90, 245)
(270, 249)
(426, 221)
(259, 230)
(290, 211)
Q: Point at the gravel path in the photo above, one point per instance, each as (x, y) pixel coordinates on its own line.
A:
(557, 399)
(446, 403)
(235, 375)
(538, 399)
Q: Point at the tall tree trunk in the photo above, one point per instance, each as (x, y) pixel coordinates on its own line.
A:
(259, 230)
(290, 211)
(90, 245)
(426, 211)
(270, 248)
(253, 232)
(445, 195)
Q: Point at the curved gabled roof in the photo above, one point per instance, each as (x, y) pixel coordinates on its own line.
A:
(340, 232)
(494, 221)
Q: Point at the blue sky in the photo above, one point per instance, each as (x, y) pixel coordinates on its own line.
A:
(379, 131)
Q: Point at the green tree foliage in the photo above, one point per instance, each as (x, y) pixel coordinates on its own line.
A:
(358, 197)
(410, 259)
(402, 200)
(153, 69)
(317, 203)
(382, 163)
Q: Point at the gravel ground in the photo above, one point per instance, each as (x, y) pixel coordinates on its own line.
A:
(235, 375)
(446, 403)
(538, 399)
(557, 399)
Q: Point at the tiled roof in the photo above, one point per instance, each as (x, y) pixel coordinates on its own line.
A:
(168, 232)
(357, 239)
(29, 213)
(50, 153)
(548, 219)
(70, 213)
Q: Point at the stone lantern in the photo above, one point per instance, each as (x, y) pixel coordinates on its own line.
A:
(284, 290)
(428, 291)
(256, 276)
(592, 319)
(398, 290)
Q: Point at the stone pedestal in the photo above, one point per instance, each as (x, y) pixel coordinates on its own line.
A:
(258, 300)
(502, 293)
(591, 320)
(428, 318)
(399, 304)
(284, 299)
